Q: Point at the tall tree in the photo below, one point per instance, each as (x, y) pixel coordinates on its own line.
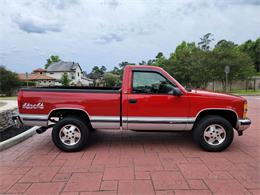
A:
(227, 54)
(252, 48)
(142, 62)
(111, 80)
(97, 73)
(52, 59)
(182, 63)
(103, 69)
(205, 41)
(65, 81)
(161, 61)
(9, 81)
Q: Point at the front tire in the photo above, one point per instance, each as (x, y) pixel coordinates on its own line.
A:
(213, 133)
(70, 134)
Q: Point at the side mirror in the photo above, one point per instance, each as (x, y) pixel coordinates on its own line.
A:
(176, 91)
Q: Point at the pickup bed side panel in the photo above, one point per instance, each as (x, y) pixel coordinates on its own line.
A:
(103, 109)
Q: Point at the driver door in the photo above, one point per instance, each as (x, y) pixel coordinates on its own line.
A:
(152, 106)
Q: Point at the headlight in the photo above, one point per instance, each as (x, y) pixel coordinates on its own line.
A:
(245, 110)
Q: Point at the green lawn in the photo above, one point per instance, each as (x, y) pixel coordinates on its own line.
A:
(246, 92)
(9, 98)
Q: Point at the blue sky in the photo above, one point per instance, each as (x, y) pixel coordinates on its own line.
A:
(106, 32)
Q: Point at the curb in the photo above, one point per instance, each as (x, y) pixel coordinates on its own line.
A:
(18, 138)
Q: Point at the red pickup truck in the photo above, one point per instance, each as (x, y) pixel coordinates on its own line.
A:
(149, 100)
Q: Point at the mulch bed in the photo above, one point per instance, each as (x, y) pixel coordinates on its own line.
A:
(12, 131)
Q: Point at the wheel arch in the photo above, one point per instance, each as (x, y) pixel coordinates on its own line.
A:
(63, 112)
(229, 114)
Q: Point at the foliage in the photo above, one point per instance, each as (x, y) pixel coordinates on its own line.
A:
(195, 65)
(252, 48)
(97, 74)
(9, 81)
(227, 53)
(205, 41)
(246, 92)
(52, 59)
(65, 81)
(111, 80)
(29, 83)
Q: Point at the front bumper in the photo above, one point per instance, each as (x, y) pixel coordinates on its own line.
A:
(243, 124)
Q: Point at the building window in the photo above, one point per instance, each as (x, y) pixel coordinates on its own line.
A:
(78, 74)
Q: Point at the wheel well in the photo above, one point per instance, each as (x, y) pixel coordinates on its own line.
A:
(227, 114)
(61, 113)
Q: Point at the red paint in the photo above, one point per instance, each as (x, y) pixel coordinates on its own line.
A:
(108, 104)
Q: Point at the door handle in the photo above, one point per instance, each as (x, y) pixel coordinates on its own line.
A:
(132, 101)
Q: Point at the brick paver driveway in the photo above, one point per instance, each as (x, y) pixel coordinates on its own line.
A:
(135, 163)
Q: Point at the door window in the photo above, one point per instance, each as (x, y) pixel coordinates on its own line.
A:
(151, 83)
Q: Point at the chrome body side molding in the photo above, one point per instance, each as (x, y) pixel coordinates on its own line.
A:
(34, 119)
(143, 123)
(105, 122)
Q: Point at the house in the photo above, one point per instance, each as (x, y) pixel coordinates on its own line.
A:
(74, 71)
(38, 77)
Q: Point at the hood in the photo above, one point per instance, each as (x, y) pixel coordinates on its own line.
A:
(216, 94)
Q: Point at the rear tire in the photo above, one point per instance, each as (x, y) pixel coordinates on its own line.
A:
(70, 134)
(213, 133)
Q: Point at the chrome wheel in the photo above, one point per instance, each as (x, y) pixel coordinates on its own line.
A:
(214, 134)
(70, 135)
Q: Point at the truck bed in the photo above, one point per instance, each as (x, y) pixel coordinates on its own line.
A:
(101, 104)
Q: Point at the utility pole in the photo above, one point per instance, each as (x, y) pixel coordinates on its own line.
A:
(226, 70)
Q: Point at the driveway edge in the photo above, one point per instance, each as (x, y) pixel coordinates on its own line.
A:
(18, 138)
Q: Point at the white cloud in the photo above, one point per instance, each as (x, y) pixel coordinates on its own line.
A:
(36, 24)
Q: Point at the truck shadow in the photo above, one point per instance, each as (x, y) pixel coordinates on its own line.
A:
(112, 139)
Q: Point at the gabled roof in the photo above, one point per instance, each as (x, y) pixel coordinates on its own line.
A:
(34, 77)
(62, 66)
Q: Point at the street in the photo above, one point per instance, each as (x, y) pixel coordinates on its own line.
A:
(128, 162)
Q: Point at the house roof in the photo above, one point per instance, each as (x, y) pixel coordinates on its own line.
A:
(62, 66)
(39, 70)
(34, 77)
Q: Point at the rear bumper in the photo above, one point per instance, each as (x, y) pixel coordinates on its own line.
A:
(243, 124)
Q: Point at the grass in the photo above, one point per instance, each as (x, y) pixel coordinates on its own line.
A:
(2, 104)
(246, 92)
(9, 98)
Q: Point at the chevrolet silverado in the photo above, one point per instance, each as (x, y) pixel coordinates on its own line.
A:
(149, 100)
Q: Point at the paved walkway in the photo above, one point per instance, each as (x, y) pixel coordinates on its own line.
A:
(10, 104)
(135, 163)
